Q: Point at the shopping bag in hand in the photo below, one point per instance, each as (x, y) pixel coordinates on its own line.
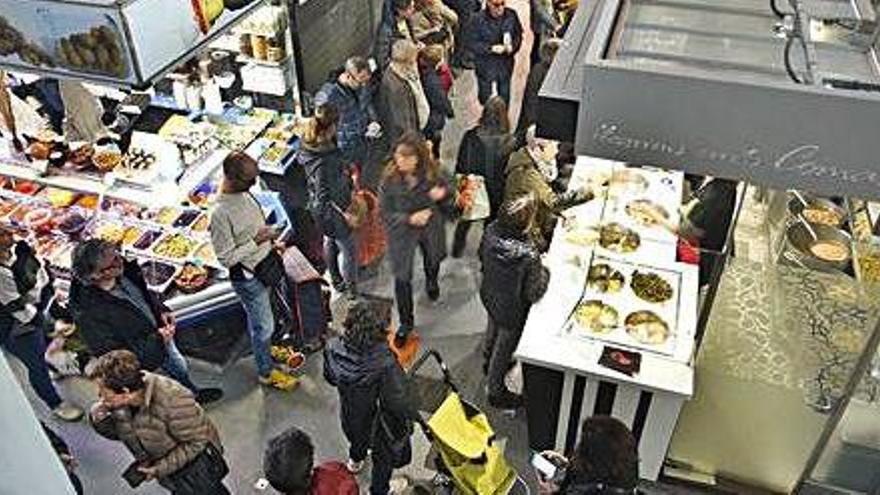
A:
(370, 235)
(472, 197)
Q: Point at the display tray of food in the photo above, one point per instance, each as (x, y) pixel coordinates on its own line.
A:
(110, 230)
(629, 304)
(22, 187)
(192, 278)
(165, 215)
(159, 275)
(186, 218)
(174, 246)
(201, 224)
(147, 239)
(57, 197)
(47, 246)
(72, 221)
(205, 255)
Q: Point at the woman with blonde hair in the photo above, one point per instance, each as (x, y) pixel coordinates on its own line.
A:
(412, 195)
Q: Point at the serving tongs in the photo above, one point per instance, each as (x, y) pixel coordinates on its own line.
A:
(800, 215)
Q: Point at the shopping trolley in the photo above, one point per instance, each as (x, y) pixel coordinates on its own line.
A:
(468, 460)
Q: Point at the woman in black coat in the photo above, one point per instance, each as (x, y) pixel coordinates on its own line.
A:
(374, 406)
(412, 195)
(484, 151)
(430, 58)
(330, 194)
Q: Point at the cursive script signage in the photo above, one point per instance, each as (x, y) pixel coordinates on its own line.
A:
(803, 162)
(829, 145)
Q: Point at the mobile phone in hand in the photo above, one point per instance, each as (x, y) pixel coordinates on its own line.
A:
(547, 469)
(133, 476)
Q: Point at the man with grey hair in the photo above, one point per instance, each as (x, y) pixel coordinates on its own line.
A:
(402, 100)
(350, 94)
(114, 309)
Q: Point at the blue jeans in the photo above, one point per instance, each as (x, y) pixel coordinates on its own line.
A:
(260, 321)
(345, 245)
(30, 349)
(175, 366)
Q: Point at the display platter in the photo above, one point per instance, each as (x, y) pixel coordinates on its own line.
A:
(620, 250)
(629, 304)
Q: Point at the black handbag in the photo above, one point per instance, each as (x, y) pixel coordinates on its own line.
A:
(206, 470)
(270, 270)
(397, 442)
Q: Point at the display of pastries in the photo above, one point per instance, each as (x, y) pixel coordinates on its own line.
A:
(138, 159)
(95, 50)
(12, 41)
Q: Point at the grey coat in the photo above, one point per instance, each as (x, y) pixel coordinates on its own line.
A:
(399, 201)
(397, 106)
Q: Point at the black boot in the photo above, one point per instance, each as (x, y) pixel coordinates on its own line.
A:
(459, 239)
(404, 296)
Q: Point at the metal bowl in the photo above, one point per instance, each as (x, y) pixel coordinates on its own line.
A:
(799, 239)
(796, 207)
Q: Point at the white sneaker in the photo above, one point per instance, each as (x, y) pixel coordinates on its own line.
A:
(68, 412)
(398, 486)
(354, 467)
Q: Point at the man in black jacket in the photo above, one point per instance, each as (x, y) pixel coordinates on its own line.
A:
(374, 405)
(497, 36)
(113, 309)
(513, 279)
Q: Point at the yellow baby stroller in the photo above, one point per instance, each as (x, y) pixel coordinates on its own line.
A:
(468, 459)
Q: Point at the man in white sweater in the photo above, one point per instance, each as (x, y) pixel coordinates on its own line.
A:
(242, 240)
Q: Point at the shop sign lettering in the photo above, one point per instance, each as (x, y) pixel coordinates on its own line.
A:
(803, 162)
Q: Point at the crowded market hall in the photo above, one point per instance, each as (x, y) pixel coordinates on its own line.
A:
(476, 247)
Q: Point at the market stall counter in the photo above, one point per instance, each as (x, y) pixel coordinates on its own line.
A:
(615, 332)
(154, 201)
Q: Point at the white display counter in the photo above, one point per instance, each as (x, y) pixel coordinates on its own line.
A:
(563, 377)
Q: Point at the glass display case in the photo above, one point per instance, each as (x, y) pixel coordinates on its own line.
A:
(115, 42)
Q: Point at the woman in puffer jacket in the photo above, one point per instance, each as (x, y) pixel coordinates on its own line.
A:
(160, 422)
(374, 406)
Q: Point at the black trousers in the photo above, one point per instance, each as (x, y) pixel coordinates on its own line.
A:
(498, 349)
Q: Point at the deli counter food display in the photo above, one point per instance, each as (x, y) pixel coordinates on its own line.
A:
(615, 332)
(153, 200)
